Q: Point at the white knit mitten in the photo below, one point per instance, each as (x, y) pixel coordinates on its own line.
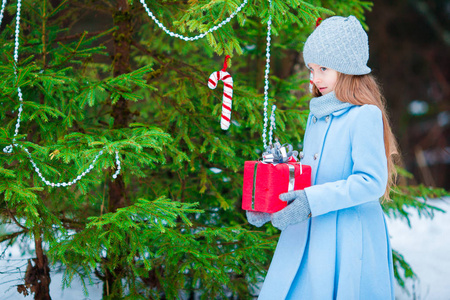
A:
(296, 212)
(257, 218)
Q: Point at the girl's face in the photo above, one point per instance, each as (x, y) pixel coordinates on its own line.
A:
(323, 78)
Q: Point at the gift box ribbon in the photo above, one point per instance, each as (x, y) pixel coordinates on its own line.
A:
(290, 186)
(276, 154)
(254, 186)
(291, 179)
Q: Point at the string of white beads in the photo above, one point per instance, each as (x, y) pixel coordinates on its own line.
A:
(200, 36)
(266, 86)
(2, 10)
(62, 184)
(272, 123)
(9, 149)
(79, 177)
(16, 44)
(118, 165)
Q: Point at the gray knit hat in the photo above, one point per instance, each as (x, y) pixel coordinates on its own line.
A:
(339, 43)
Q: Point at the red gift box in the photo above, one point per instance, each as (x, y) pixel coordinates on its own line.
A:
(264, 182)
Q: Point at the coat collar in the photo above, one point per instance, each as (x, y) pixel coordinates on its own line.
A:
(328, 104)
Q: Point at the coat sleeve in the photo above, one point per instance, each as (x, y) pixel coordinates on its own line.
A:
(368, 179)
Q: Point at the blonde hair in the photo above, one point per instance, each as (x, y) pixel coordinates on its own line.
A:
(364, 89)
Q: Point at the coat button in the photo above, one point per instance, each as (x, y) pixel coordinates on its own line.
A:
(314, 119)
(316, 156)
(327, 118)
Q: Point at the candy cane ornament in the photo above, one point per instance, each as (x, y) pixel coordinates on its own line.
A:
(227, 93)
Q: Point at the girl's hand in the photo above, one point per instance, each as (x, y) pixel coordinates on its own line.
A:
(257, 218)
(296, 212)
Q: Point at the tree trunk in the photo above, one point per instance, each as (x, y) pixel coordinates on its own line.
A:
(121, 114)
(43, 287)
(37, 276)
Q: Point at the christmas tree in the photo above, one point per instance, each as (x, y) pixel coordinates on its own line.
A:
(160, 219)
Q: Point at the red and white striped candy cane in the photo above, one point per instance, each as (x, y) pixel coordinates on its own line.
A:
(227, 93)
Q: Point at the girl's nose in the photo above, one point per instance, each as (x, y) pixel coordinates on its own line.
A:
(316, 79)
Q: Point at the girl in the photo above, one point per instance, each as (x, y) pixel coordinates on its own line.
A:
(334, 242)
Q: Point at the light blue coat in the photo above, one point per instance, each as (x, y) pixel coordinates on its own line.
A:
(343, 251)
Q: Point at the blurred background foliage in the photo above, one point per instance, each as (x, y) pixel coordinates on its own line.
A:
(102, 75)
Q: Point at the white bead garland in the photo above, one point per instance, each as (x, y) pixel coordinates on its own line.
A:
(79, 177)
(194, 38)
(272, 123)
(118, 165)
(2, 10)
(8, 149)
(266, 88)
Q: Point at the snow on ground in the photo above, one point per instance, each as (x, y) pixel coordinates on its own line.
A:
(12, 270)
(425, 246)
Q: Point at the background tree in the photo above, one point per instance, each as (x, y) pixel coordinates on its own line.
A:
(101, 76)
(409, 52)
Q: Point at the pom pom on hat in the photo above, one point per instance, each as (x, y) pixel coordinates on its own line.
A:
(340, 44)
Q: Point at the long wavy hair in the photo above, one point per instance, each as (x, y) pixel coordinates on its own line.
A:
(364, 89)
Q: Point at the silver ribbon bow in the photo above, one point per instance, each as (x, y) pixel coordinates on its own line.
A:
(277, 153)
